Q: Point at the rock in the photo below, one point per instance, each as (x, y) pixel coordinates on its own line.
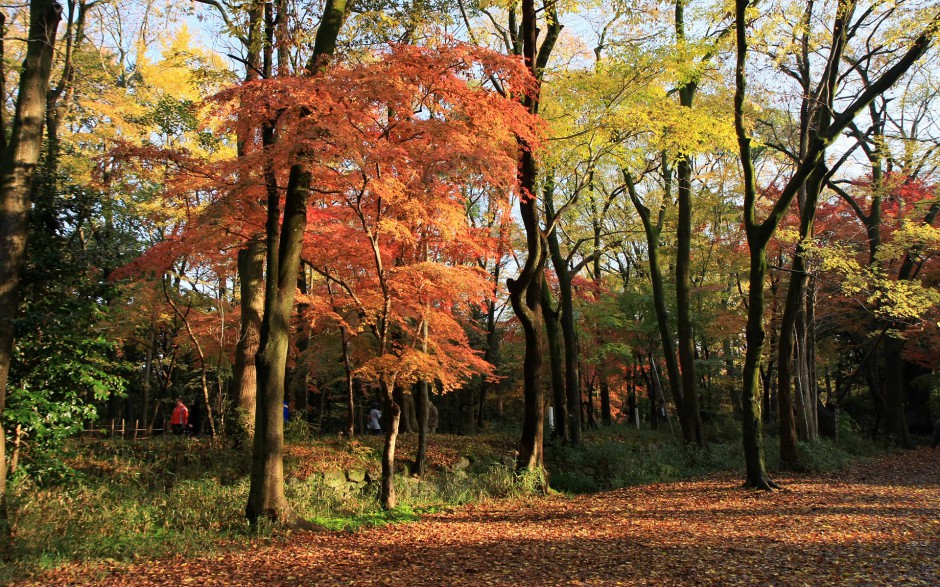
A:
(334, 479)
(356, 475)
(462, 464)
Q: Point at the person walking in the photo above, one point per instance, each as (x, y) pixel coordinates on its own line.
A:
(375, 420)
(179, 421)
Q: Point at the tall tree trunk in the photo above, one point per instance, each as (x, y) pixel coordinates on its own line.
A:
(659, 291)
(755, 470)
(250, 262)
(525, 293)
(572, 377)
(284, 244)
(17, 168)
(689, 411)
(759, 234)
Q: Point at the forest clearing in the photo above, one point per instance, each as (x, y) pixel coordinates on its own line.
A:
(469, 291)
(877, 524)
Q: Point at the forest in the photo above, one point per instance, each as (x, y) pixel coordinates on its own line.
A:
(456, 251)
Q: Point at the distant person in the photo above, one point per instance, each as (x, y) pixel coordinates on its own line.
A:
(375, 420)
(432, 419)
(286, 413)
(179, 421)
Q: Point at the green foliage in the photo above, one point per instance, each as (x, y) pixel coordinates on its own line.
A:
(56, 382)
(397, 515)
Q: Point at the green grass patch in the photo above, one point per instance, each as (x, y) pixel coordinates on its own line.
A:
(397, 515)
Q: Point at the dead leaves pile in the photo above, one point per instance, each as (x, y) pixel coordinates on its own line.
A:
(876, 525)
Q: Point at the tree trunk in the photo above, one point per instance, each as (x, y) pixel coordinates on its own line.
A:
(572, 377)
(755, 470)
(659, 293)
(423, 409)
(555, 364)
(17, 167)
(525, 291)
(251, 275)
(284, 244)
(604, 387)
(391, 417)
(689, 411)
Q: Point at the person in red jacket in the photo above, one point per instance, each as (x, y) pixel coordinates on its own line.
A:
(180, 419)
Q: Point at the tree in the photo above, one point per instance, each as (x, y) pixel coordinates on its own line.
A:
(760, 233)
(18, 160)
(283, 243)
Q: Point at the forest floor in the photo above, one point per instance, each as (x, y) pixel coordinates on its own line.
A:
(876, 524)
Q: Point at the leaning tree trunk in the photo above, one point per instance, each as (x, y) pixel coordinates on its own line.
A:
(17, 168)
(572, 378)
(652, 233)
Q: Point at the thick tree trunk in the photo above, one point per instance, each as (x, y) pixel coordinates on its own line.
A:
(895, 419)
(266, 494)
(250, 265)
(525, 291)
(284, 244)
(17, 168)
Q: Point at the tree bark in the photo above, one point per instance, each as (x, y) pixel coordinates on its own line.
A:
(525, 291)
(391, 417)
(652, 233)
(17, 168)
(250, 265)
(251, 275)
(555, 364)
(423, 409)
(284, 245)
(572, 376)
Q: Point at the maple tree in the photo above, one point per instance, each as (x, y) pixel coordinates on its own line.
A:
(380, 173)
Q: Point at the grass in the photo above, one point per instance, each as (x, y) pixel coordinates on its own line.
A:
(146, 500)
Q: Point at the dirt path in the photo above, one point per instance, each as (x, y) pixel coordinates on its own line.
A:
(876, 525)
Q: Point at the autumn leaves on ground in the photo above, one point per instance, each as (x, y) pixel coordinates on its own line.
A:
(877, 524)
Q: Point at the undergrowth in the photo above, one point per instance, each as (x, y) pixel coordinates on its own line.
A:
(127, 501)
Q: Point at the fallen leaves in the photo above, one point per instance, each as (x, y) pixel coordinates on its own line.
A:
(876, 525)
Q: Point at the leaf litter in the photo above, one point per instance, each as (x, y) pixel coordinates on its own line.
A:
(877, 524)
